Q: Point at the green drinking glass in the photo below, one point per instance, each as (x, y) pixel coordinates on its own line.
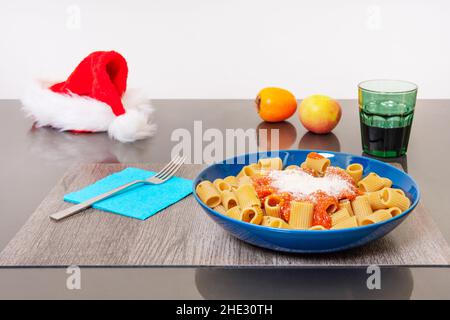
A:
(386, 111)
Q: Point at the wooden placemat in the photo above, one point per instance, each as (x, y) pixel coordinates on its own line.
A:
(183, 236)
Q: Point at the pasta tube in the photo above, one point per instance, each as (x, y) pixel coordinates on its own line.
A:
(361, 206)
(377, 216)
(229, 199)
(301, 215)
(274, 222)
(232, 181)
(234, 213)
(220, 209)
(292, 167)
(399, 191)
(245, 180)
(375, 200)
(371, 182)
(272, 205)
(208, 194)
(345, 203)
(387, 182)
(394, 211)
(271, 164)
(390, 198)
(355, 170)
(317, 162)
(252, 170)
(221, 185)
(318, 228)
(247, 197)
(351, 222)
(252, 215)
(339, 216)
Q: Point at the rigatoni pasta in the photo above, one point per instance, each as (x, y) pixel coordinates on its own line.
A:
(232, 181)
(221, 185)
(371, 182)
(317, 163)
(355, 170)
(208, 194)
(361, 206)
(339, 216)
(377, 216)
(345, 203)
(247, 197)
(301, 215)
(272, 205)
(234, 213)
(390, 198)
(271, 164)
(311, 196)
(229, 199)
(252, 215)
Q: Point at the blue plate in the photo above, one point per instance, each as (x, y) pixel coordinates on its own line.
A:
(308, 241)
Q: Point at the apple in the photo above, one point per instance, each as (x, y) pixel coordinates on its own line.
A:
(319, 114)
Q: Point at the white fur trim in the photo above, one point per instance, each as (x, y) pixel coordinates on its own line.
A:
(74, 112)
(135, 123)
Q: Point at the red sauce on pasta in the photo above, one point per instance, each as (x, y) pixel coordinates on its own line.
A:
(322, 201)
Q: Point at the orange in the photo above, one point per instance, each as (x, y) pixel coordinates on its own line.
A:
(275, 104)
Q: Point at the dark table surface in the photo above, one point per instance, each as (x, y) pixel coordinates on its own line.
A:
(33, 159)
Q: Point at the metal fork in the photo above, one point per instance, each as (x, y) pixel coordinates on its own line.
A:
(162, 176)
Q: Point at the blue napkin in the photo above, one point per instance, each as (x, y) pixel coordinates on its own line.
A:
(140, 201)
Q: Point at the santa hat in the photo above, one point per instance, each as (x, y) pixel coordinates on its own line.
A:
(93, 99)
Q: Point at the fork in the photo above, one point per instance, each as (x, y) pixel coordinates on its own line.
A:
(162, 176)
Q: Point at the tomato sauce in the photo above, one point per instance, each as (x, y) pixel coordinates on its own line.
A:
(321, 200)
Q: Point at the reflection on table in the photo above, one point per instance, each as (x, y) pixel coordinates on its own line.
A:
(396, 283)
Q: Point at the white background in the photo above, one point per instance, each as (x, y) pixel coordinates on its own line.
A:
(232, 48)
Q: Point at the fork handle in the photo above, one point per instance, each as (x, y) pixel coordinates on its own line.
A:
(86, 204)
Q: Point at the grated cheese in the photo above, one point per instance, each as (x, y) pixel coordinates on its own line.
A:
(303, 185)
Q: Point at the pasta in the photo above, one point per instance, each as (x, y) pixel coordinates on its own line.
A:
(221, 185)
(251, 170)
(301, 215)
(361, 206)
(247, 197)
(318, 227)
(375, 200)
(229, 200)
(312, 196)
(317, 163)
(232, 181)
(377, 216)
(355, 170)
(274, 222)
(221, 209)
(245, 180)
(371, 182)
(345, 203)
(390, 198)
(339, 216)
(387, 182)
(394, 211)
(252, 215)
(351, 222)
(208, 194)
(272, 205)
(234, 213)
(271, 164)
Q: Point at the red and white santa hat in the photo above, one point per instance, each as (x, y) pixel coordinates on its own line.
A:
(93, 99)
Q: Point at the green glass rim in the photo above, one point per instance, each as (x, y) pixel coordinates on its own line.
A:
(414, 86)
